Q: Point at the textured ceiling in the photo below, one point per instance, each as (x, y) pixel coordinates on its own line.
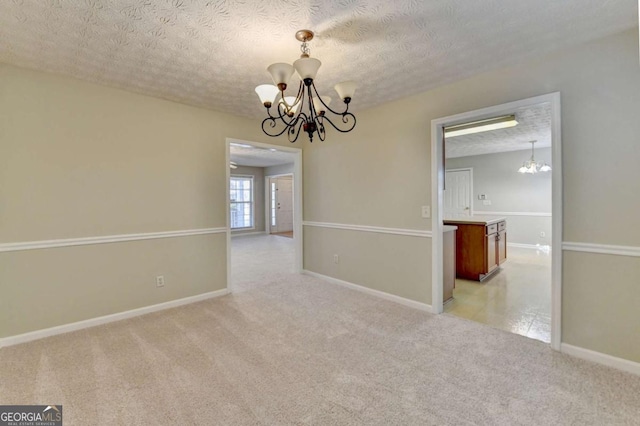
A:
(534, 124)
(258, 157)
(212, 53)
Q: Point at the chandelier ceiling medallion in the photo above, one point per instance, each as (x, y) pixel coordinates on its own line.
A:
(532, 166)
(307, 110)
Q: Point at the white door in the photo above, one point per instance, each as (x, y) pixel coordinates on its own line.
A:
(281, 204)
(457, 195)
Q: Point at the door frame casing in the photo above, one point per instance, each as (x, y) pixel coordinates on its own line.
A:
(462, 169)
(297, 200)
(437, 197)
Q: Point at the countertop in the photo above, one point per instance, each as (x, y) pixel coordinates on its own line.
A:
(475, 220)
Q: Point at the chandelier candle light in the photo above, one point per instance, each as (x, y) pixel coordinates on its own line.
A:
(307, 110)
(531, 166)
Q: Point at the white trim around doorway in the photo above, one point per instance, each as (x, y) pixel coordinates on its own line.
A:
(297, 201)
(437, 180)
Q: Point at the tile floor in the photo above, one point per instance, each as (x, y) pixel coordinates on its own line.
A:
(516, 299)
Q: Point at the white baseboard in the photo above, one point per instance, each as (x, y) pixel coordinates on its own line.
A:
(66, 328)
(381, 294)
(530, 246)
(600, 358)
(246, 234)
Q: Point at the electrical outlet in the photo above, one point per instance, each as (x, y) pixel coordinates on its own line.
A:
(486, 202)
(336, 259)
(426, 212)
(482, 196)
(160, 281)
(542, 234)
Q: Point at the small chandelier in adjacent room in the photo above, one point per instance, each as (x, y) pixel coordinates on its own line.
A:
(307, 110)
(532, 166)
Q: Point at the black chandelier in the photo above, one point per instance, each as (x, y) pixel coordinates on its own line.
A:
(307, 110)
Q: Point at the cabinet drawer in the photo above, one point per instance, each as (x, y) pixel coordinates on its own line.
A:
(502, 226)
(492, 229)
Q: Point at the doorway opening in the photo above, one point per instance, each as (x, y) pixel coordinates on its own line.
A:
(497, 224)
(258, 217)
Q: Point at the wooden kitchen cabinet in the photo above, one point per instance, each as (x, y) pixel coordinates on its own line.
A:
(492, 259)
(502, 241)
(502, 246)
(481, 246)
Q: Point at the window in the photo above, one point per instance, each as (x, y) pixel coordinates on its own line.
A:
(241, 196)
(273, 203)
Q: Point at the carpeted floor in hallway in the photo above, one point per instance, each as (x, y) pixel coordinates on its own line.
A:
(259, 259)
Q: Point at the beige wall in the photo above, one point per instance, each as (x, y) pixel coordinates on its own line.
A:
(44, 288)
(601, 302)
(281, 169)
(496, 175)
(258, 197)
(392, 263)
(82, 160)
(379, 174)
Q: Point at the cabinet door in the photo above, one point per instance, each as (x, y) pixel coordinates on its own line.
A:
(492, 252)
(502, 246)
(449, 264)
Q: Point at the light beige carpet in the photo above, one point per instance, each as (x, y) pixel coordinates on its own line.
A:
(257, 260)
(298, 350)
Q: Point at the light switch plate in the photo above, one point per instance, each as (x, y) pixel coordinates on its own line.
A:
(426, 212)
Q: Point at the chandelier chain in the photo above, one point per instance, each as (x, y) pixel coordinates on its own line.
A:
(304, 48)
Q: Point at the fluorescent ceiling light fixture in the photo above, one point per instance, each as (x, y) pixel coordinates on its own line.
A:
(481, 126)
(241, 145)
